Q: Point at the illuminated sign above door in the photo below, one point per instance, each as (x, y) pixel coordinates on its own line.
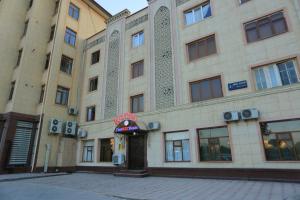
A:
(126, 116)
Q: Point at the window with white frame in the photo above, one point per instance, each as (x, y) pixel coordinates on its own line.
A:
(177, 147)
(88, 151)
(198, 13)
(138, 39)
(277, 74)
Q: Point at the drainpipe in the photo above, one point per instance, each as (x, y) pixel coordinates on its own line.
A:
(37, 139)
(47, 155)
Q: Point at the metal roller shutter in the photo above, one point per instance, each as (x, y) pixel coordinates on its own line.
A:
(21, 143)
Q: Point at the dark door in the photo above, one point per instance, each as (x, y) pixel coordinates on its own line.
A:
(136, 152)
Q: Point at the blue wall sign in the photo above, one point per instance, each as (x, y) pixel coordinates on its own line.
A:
(237, 85)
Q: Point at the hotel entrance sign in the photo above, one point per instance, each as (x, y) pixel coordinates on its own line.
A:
(126, 116)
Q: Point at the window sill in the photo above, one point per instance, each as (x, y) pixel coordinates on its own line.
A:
(201, 59)
(196, 23)
(177, 161)
(207, 100)
(70, 45)
(254, 42)
(92, 92)
(65, 73)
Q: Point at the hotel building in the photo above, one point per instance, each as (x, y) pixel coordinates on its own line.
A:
(213, 85)
(40, 54)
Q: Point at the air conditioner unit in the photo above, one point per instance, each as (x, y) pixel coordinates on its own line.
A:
(118, 159)
(248, 114)
(231, 116)
(70, 128)
(55, 126)
(154, 126)
(82, 133)
(73, 111)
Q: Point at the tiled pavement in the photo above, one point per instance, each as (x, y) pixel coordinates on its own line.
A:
(107, 187)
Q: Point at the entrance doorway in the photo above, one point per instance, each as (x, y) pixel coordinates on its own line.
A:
(136, 152)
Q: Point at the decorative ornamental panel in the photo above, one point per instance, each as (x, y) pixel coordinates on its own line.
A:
(111, 97)
(164, 80)
(95, 42)
(180, 2)
(136, 22)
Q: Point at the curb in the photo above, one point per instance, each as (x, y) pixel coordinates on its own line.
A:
(32, 177)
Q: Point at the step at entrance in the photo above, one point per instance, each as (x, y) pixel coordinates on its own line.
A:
(132, 173)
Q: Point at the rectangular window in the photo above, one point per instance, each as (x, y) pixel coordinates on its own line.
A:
(276, 74)
(137, 69)
(90, 113)
(93, 86)
(206, 89)
(137, 103)
(30, 4)
(106, 149)
(47, 61)
(66, 64)
(281, 140)
(266, 27)
(95, 57)
(52, 33)
(19, 57)
(214, 144)
(198, 13)
(62, 96)
(244, 1)
(70, 37)
(56, 7)
(42, 94)
(177, 147)
(73, 11)
(202, 48)
(138, 39)
(25, 28)
(88, 151)
(12, 89)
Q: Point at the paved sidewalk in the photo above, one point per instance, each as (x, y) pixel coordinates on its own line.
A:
(22, 176)
(81, 186)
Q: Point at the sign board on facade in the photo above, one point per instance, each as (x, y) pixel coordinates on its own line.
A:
(123, 117)
(237, 85)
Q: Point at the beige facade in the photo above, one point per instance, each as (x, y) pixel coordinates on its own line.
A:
(235, 60)
(39, 65)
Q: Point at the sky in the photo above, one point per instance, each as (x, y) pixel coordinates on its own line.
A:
(115, 6)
